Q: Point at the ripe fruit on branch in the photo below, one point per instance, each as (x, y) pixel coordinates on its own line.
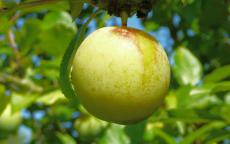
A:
(120, 74)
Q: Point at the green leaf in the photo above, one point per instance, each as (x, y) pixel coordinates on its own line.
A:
(65, 138)
(55, 18)
(21, 101)
(3, 98)
(114, 135)
(9, 3)
(5, 24)
(218, 74)
(171, 100)
(186, 68)
(57, 31)
(75, 7)
(151, 26)
(217, 135)
(52, 98)
(28, 36)
(227, 98)
(6, 50)
(185, 115)
(49, 68)
(183, 96)
(201, 131)
(221, 87)
(192, 115)
(153, 132)
(210, 88)
(61, 113)
(185, 2)
(166, 137)
(136, 132)
(223, 111)
(196, 97)
(216, 16)
(29, 6)
(202, 90)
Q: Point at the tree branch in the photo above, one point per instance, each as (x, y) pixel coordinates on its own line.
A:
(6, 78)
(11, 38)
(27, 5)
(12, 42)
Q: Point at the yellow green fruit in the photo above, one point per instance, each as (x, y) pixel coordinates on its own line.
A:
(120, 74)
(89, 127)
(8, 120)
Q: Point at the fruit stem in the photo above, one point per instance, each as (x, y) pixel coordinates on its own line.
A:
(124, 18)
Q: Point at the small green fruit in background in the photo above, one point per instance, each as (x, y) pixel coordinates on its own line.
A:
(8, 120)
(89, 127)
(120, 74)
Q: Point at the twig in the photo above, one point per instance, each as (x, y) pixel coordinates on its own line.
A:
(11, 38)
(6, 78)
(12, 42)
(15, 17)
(27, 5)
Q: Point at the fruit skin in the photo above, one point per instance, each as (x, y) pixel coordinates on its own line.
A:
(120, 74)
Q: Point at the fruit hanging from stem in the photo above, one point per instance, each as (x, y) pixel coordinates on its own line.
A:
(120, 74)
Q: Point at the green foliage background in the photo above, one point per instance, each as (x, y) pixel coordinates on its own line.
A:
(196, 109)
